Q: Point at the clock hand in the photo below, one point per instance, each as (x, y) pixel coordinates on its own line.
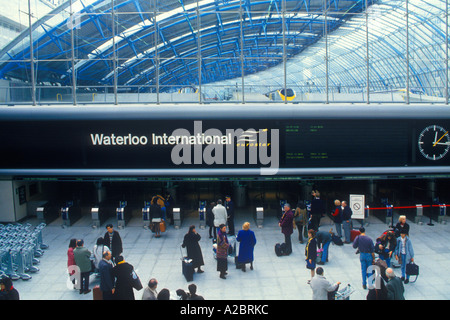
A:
(440, 139)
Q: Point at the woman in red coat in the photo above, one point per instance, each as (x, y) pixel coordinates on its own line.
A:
(222, 251)
(71, 258)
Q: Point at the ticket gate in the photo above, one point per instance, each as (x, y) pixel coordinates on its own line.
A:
(123, 214)
(47, 212)
(70, 214)
(146, 214)
(202, 214)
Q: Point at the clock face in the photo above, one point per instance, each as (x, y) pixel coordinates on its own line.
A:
(434, 142)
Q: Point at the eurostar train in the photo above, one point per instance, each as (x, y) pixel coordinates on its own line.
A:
(282, 95)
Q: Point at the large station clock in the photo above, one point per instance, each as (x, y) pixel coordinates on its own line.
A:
(434, 142)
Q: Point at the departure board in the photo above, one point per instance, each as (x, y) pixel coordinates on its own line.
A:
(147, 146)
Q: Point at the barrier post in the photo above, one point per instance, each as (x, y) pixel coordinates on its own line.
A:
(202, 214)
(389, 215)
(259, 216)
(419, 214)
(442, 213)
(95, 217)
(176, 218)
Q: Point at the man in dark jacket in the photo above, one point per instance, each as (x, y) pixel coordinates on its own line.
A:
(394, 286)
(317, 210)
(113, 241)
(7, 290)
(106, 278)
(83, 261)
(346, 221)
(287, 227)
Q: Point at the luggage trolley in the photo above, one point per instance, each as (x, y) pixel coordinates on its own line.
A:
(345, 293)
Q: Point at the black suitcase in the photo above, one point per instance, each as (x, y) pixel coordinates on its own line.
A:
(280, 249)
(186, 267)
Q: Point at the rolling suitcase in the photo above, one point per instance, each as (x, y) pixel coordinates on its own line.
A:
(186, 267)
(354, 234)
(97, 293)
(280, 249)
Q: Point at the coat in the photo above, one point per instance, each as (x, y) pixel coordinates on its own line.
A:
(300, 216)
(83, 259)
(222, 245)
(247, 241)
(337, 215)
(115, 245)
(408, 247)
(106, 277)
(321, 286)
(194, 252)
(124, 288)
(286, 223)
(395, 289)
(70, 259)
(220, 215)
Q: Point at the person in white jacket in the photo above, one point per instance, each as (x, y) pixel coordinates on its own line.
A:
(321, 286)
(220, 214)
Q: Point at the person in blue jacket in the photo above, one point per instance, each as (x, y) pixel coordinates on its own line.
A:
(247, 242)
(404, 253)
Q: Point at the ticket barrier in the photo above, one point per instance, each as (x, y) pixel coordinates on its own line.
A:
(259, 217)
(202, 214)
(20, 245)
(47, 213)
(70, 214)
(176, 218)
(442, 213)
(99, 215)
(123, 214)
(146, 214)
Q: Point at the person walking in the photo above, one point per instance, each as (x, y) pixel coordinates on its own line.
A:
(156, 217)
(229, 205)
(404, 253)
(150, 292)
(337, 218)
(287, 227)
(321, 286)
(106, 277)
(83, 261)
(210, 220)
(394, 286)
(220, 214)
(317, 210)
(194, 252)
(122, 272)
(365, 247)
(222, 251)
(113, 241)
(300, 219)
(247, 242)
(401, 226)
(346, 221)
(311, 252)
(71, 259)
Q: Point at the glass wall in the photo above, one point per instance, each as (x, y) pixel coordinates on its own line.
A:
(75, 52)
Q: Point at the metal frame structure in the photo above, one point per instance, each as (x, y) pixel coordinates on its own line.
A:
(146, 46)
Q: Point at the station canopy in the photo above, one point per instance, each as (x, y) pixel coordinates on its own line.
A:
(138, 44)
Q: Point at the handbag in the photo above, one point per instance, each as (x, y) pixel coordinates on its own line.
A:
(412, 269)
(135, 281)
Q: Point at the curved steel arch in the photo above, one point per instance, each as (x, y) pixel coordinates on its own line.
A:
(136, 37)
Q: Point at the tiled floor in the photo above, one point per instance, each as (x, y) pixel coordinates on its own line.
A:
(274, 278)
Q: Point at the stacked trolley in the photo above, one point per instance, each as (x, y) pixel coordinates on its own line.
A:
(20, 248)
